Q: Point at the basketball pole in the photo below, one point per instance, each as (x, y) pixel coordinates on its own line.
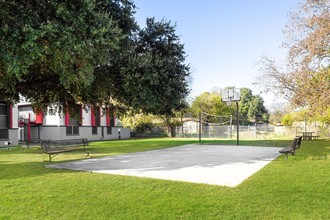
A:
(237, 122)
(229, 96)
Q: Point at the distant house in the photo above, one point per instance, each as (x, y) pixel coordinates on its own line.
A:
(8, 124)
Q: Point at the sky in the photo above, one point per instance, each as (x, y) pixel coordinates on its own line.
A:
(224, 39)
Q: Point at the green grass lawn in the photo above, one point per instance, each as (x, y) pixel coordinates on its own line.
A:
(297, 188)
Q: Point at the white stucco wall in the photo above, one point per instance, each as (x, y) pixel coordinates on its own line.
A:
(86, 117)
(53, 119)
(15, 116)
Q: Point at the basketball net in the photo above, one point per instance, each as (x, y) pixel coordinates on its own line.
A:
(229, 100)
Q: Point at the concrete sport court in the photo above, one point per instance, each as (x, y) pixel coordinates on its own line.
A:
(208, 164)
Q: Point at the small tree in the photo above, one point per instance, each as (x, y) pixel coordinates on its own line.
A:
(287, 120)
(210, 103)
(277, 111)
(139, 123)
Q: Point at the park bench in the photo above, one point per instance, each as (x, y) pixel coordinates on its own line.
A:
(291, 149)
(55, 147)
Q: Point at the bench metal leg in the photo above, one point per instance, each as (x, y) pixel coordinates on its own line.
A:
(52, 156)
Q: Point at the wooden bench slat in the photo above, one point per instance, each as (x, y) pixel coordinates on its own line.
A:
(62, 150)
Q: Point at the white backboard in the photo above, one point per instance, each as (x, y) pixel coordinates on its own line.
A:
(231, 95)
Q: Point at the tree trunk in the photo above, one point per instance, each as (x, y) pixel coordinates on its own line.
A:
(171, 131)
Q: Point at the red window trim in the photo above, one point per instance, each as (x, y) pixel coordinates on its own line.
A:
(67, 118)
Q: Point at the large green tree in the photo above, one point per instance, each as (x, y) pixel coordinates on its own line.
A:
(252, 106)
(49, 49)
(156, 78)
(92, 52)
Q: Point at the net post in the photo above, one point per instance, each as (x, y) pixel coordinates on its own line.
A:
(237, 119)
(200, 126)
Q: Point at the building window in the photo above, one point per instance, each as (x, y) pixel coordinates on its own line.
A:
(75, 130)
(94, 130)
(109, 130)
(72, 130)
(109, 122)
(4, 122)
(96, 119)
(73, 121)
(3, 134)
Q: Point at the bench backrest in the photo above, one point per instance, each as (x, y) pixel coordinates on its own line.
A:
(48, 144)
(294, 143)
(299, 139)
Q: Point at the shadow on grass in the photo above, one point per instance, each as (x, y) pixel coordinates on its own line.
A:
(20, 162)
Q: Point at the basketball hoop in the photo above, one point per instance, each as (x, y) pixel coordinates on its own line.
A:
(229, 96)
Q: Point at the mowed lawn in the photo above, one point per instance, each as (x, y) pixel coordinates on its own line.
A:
(297, 188)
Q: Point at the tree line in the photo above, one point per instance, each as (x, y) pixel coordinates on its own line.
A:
(251, 111)
(251, 107)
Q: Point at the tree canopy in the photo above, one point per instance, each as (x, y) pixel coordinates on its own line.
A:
(210, 103)
(251, 106)
(49, 48)
(156, 77)
(91, 52)
(305, 79)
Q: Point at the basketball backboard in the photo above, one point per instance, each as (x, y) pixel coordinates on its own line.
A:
(231, 95)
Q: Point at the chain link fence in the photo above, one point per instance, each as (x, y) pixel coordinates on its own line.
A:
(191, 130)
